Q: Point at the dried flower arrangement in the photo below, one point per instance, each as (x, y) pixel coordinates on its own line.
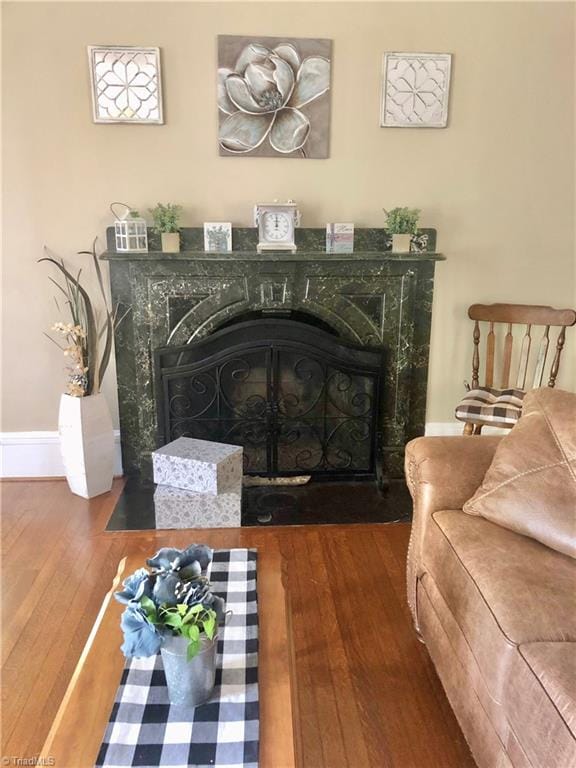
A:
(82, 338)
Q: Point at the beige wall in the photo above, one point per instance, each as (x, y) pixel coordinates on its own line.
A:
(498, 183)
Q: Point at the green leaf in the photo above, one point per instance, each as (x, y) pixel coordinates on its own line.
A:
(192, 650)
(182, 608)
(193, 634)
(192, 613)
(149, 607)
(108, 325)
(210, 625)
(105, 359)
(173, 620)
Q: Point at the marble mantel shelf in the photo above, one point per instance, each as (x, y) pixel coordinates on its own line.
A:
(272, 256)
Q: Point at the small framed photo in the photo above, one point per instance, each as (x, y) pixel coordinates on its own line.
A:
(218, 236)
(339, 238)
(415, 90)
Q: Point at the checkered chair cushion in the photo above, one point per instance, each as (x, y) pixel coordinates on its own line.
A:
(491, 406)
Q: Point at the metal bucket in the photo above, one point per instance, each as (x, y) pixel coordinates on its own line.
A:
(190, 683)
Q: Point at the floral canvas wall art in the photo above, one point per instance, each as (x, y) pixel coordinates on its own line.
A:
(273, 96)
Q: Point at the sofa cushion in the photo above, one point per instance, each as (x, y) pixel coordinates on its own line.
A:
(487, 405)
(502, 588)
(526, 730)
(460, 653)
(530, 487)
(554, 664)
(487, 746)
(539, 703)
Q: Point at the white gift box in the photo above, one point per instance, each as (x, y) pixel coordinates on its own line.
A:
(198, 465)
(178, 508)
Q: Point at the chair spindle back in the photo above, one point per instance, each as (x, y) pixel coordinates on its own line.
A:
(511, 315)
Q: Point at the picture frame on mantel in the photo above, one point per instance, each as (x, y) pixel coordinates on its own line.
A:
(218, 236)
(415, 90)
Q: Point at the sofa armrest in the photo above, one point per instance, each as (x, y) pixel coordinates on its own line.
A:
(442, 473)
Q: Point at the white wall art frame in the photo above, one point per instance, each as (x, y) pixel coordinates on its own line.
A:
(126, 84)
(415, 90)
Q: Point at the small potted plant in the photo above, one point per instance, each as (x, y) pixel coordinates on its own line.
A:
(166, 225)
(402, 224)
(171, 608)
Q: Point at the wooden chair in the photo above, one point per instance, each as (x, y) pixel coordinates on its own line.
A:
(501, 407)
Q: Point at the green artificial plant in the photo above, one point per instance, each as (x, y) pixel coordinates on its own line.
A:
(166, 217)
(402, 221)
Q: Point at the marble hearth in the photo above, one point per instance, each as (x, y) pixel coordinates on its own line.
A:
(372, 297)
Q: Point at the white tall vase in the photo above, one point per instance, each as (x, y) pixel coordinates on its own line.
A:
(86, 444)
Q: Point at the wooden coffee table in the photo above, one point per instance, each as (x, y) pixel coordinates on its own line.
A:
(78, 729)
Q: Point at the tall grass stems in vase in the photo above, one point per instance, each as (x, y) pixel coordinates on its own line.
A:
(84, 423)
(90, 335)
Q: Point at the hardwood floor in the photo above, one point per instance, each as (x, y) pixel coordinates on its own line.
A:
(367, 695)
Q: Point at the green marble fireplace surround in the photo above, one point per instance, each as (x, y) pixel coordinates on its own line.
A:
(372, 296)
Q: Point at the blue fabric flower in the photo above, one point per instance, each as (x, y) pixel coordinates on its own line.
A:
(135, 586)
(141, 638)
(168, 589)
(194, 592)
(199, 553)
(217, 604)
(165, 559)
(190, 562)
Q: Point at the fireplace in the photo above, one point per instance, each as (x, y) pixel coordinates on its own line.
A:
(337, 313)
(300, 400)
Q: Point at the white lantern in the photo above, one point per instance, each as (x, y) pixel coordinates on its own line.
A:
(130, 230)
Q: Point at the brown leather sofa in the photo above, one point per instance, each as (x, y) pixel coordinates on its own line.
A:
(497, 611)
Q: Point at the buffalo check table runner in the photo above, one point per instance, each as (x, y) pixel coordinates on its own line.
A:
(146, 730)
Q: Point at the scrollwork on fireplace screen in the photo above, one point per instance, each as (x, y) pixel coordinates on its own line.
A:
(295, 408)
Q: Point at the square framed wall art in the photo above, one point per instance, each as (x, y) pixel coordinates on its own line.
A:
(415, 90)
(126, 84)
(273, 96)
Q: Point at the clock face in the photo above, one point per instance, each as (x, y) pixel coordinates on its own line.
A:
(276, 226)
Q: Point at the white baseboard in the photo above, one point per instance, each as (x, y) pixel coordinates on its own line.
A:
(447, 428)
(441, 428)
(37, 454)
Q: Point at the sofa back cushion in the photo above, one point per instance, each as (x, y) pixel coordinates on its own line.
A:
(530, 487)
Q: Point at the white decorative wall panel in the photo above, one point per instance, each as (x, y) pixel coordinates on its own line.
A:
(415, 90)
(126, 84)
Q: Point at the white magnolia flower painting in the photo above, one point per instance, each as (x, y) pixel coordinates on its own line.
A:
(273, 96)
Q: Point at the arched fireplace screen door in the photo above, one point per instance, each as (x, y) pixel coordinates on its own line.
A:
(299, 400)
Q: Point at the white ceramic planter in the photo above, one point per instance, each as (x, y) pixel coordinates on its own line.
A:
(401, 243)
(86, 444)
(170, 242)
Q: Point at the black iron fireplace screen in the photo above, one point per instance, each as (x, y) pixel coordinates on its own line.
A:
(298, 399)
